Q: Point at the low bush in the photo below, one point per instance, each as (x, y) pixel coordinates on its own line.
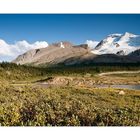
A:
(68, 106)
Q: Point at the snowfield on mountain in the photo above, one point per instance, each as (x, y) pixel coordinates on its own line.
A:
(122, 44)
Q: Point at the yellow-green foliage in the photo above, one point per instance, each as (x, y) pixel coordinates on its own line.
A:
(13, 72)
(27, 105)
(67, 106)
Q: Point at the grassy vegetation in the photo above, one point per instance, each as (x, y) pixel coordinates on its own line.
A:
(9, 71)
(13, 72)
(71, 105)
(68, 106)
(81, 70)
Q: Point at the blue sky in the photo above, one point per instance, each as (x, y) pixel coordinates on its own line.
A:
(57, 27)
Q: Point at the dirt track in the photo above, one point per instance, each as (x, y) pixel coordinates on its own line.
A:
(117, 72)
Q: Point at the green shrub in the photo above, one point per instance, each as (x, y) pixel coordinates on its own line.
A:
(68, 106)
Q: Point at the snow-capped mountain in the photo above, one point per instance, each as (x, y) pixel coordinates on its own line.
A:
(65, 53)
(115, 48)
(121, 44)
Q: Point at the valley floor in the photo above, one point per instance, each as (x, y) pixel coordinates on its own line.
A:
(68, 106)
(108, 78)
(29, 97)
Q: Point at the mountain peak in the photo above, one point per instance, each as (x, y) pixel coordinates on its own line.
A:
(127, 34)
(127, 37)
(62, 44)
(114, 35)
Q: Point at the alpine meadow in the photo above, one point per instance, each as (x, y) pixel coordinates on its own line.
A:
(89, 75)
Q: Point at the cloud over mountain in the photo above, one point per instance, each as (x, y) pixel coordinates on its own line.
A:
(11, 51)
(91, 44)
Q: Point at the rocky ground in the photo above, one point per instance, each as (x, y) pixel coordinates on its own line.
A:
(108, 79)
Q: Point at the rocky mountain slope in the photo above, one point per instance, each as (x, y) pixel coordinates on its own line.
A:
(53, 54)
(116, 48)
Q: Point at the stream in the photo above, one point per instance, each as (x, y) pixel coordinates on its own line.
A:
(131, 87)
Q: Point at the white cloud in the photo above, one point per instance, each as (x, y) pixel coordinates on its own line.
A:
(9, 52)
(92, 44)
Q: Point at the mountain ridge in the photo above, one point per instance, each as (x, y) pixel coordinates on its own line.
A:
(114, 48)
